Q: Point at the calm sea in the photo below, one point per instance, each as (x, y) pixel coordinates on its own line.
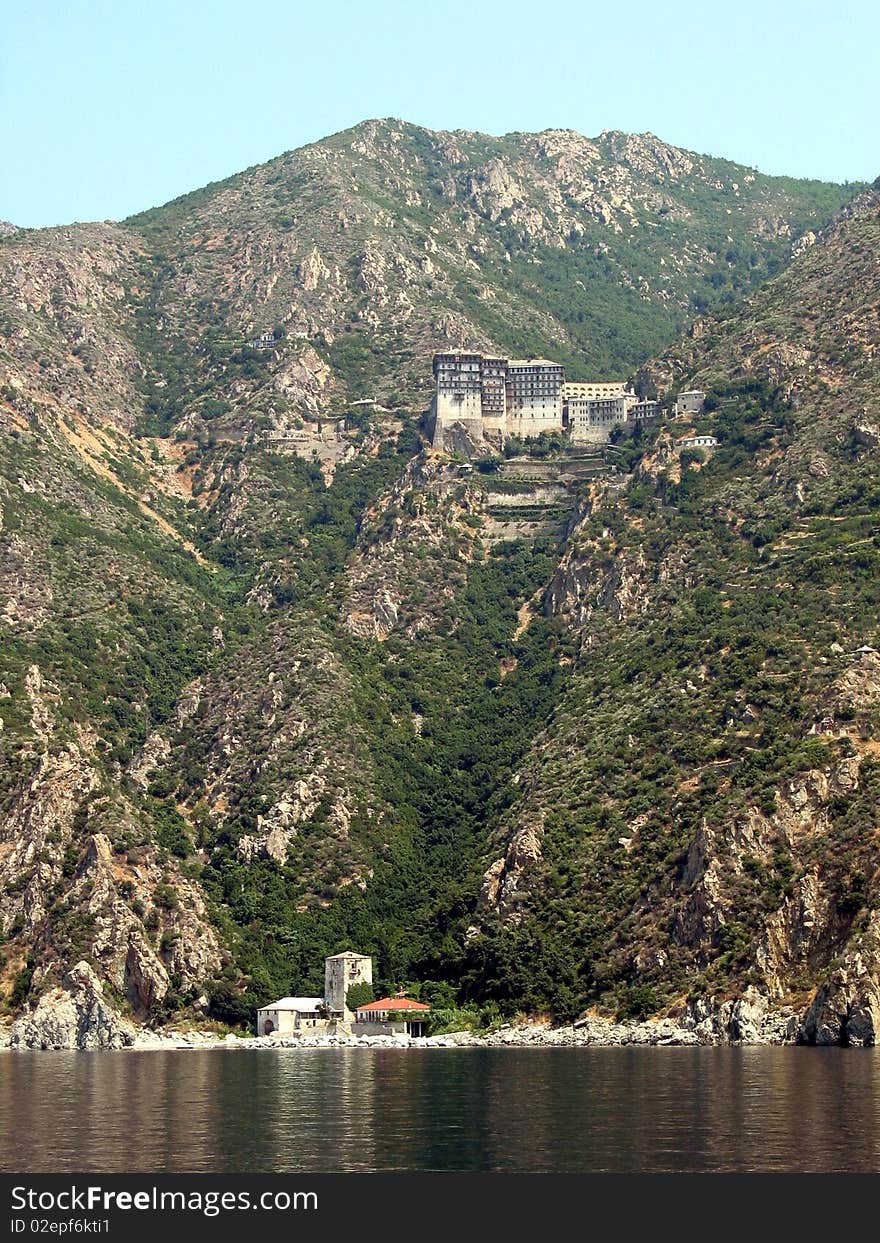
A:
(562, 1110)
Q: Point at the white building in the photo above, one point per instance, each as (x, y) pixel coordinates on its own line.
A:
(696, 442)
(481, 395)
(290, 1014)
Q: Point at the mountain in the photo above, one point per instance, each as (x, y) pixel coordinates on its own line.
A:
(369, 250)
(278, 680)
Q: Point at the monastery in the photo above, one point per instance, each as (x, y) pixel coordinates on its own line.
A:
(491, 398)
(331, 1013)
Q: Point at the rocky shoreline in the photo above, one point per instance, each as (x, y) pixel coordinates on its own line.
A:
(746, 1021)
(595, 1031)
(78, 1015)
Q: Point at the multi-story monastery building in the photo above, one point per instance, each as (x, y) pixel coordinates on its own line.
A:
(489, 397)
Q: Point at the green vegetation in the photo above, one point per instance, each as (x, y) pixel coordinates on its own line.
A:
(689, 715)
(359, 995)
(21, 987)
(441, 786)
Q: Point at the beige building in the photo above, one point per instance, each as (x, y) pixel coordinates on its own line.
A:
(290, 1014)
(590, 421)
(593, 390)
(593, 410)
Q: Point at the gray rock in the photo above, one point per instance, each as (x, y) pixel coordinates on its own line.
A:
(74, 1016)
(749, 1019)
(866, 432)
(846, 1009)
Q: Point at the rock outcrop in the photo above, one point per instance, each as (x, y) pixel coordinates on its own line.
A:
(75, 1015)
(749, 1019)
(68, 889)
(846, 1008)
(503, 877)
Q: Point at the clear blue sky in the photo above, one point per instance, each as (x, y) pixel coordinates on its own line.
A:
(109, 108)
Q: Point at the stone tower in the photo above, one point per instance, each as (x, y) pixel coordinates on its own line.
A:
(340, 972)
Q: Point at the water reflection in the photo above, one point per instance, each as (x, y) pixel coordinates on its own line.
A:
(438, 1109)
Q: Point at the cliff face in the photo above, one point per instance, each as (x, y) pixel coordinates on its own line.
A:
(82, 876)
(68, 322)
(278, 682)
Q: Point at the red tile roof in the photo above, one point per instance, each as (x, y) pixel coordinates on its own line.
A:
(395, 1003)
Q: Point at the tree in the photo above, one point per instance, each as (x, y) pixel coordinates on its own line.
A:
(359, 995)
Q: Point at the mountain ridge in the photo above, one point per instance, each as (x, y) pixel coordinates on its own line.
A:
(598, 251)
(370, 123)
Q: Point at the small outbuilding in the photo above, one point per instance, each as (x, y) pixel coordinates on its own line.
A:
(290, 1014)
(691, 401)
(697, 442)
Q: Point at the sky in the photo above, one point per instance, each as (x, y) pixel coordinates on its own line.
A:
(109, 108)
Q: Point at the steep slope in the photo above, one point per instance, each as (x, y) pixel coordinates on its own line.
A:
(702, 815)
(102, 615)
(357, 257)
(268, 684)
